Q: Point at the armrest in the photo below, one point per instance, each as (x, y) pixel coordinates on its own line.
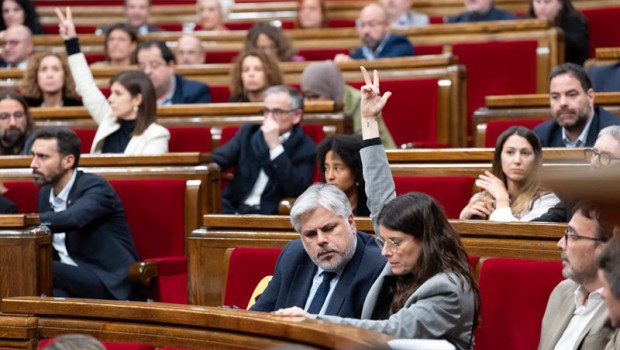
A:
(285, 205)
(144, 272)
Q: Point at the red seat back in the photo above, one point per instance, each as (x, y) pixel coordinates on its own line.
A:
(24, 194)
(421, 50)
(92, 57)
(514, 295)
(496, 68)
(221, 56)
(497, 127)
(87, 136)
(242, 280)
(319, 54)
(190, 139)
(604, 30)
(219, 93)
(453, 193)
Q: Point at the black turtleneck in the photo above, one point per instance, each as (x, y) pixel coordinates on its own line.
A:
(117, 142)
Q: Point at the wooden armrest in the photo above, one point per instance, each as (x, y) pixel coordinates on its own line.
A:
(285, 205)
(143, 272)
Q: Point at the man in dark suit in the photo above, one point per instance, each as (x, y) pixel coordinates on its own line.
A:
(374, 29)
(481, 11)
(273, 160)
(330, 270)
(576, 121)
(605, 78)
(93, 247)
(156, 60)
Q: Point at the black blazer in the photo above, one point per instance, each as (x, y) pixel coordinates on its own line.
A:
(97, 233)
(576, 39)
(188, 91)
(605, 78)
(550, 133)
(396, 46)
(294, 271)
(7, 206)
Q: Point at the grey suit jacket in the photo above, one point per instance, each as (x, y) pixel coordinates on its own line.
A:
(614, 342)
(558, 314)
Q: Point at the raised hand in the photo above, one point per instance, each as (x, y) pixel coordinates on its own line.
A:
(495, 187)
(372, 101)
(66, 28)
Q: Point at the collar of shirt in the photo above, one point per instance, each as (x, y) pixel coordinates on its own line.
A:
(143, 29)
(168, 100)
(61, 199)
(581, 140)
(594, 299)
(284, 137)
(371, 55)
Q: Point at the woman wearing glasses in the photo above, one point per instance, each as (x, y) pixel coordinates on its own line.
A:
(512, 190)
(252, 73)
(426, 289)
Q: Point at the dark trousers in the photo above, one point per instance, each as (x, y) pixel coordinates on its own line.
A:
(78, 282)
(229, 208)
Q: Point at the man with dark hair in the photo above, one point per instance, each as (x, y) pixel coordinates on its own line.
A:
(93, 246)
(480, 11)
(137, 13)
(576, 121)
(15, 124)
(576, 317)
(157, 61)
(273, 160)
(609, 274)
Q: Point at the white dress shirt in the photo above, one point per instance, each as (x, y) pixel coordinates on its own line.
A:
(581, 317)
(59, 203)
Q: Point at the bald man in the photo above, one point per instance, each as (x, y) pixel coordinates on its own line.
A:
(189, 51)
(18, 46)
(373, 29)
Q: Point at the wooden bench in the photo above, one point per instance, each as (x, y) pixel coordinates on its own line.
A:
(476, 155)
(604, 56)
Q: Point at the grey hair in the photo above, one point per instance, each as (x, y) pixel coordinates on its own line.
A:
(297, 101)
(613, 131)
(327, 196)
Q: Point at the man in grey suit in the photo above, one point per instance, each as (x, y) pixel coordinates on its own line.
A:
(576, 316)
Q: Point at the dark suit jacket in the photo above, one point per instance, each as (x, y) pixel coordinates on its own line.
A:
(7, 206)
(3, 64)
(67, 102)
(188, 91)
(294, 271)
(289, 174)
(493, 15)
(97, 234)
(576, 39)
(605, 78)
(396, 46)
(550, 133)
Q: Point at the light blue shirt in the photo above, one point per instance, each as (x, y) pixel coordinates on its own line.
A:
(168, 100)
(371, 55)
(581, 140)
(59, 203)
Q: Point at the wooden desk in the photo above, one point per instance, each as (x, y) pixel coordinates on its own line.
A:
(476, 155)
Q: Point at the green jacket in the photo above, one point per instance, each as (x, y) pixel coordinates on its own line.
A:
(352, 101)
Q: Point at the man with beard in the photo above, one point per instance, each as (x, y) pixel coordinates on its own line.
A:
(576, 316)
(331, 268)
(15, 124)
(576, 121)
(93, 247)
(373, 29)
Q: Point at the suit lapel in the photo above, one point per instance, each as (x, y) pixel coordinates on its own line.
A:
(564, 315)
(601, 312)
(300, 285)
(594, 129)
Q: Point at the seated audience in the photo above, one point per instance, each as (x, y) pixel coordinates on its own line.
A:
(16, 124)
(137, 13)
(272, 161)
(573, 23)
(189, 51)
(7, 206)
(252, 73)
(127, 119)
(211, 14)
(271, 40)
(340, 164)
(399, 14)
(427, 289)
(74, 342)
(311, 14)
(576, 121)
(576, 316)
(324, 81)
(48, 81)
(512, 189)
(609, 273)
(157, 61)
(17, 47)
(605, 154)
(120, 47)
(20, 12)
(479, 11)
(93, 247)
(374, 31)
(331, 268)
(605, 78)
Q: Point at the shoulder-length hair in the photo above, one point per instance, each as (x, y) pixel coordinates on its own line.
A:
(323, 14)
(136, 82)
(567, 10)
(133, 37)
(273, 74)
(14, 95)
(31, 17)
(284, 47)
(530, 189)
(418, 215)
(30, 84)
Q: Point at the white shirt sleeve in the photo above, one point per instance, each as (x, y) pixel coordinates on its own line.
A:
(540, 206)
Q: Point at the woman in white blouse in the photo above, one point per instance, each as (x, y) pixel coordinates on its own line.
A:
(512, 189)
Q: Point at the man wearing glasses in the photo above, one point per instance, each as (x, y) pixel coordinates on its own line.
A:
(272, 161)
(576, 316)
(17, 47)
(16, 125)
(604, 154)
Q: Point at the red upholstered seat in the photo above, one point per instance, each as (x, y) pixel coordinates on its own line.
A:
(497, 68)
(194, 139)
(319, 54)
(24, 194)
(604, 29)
(497, 127)
(92, 57)
(421, 50)
(109, 345)
(171, 27)
(219, 93)
(52, 29)
(340, 23)
(221, 56)
(86, 137)
(411, 112)
(473, 262)
(453, 193)
(241, 279)
(514, 296)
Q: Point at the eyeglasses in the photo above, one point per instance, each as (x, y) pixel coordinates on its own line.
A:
(571, 236)
(359, 24)
(389, 244)
(604, 158)
(276, 112)
(16, 115)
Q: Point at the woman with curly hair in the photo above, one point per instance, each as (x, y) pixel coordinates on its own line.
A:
(48, 81)
(252, 73)
(15, 12)
(272, 40)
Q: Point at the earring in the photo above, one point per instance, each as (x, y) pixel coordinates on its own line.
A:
(135, 109)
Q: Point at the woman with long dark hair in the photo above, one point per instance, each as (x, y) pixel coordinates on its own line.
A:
(15, 12)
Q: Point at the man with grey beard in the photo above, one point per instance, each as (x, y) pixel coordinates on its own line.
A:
(15, 124)
(576, 121)
(331, 268)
